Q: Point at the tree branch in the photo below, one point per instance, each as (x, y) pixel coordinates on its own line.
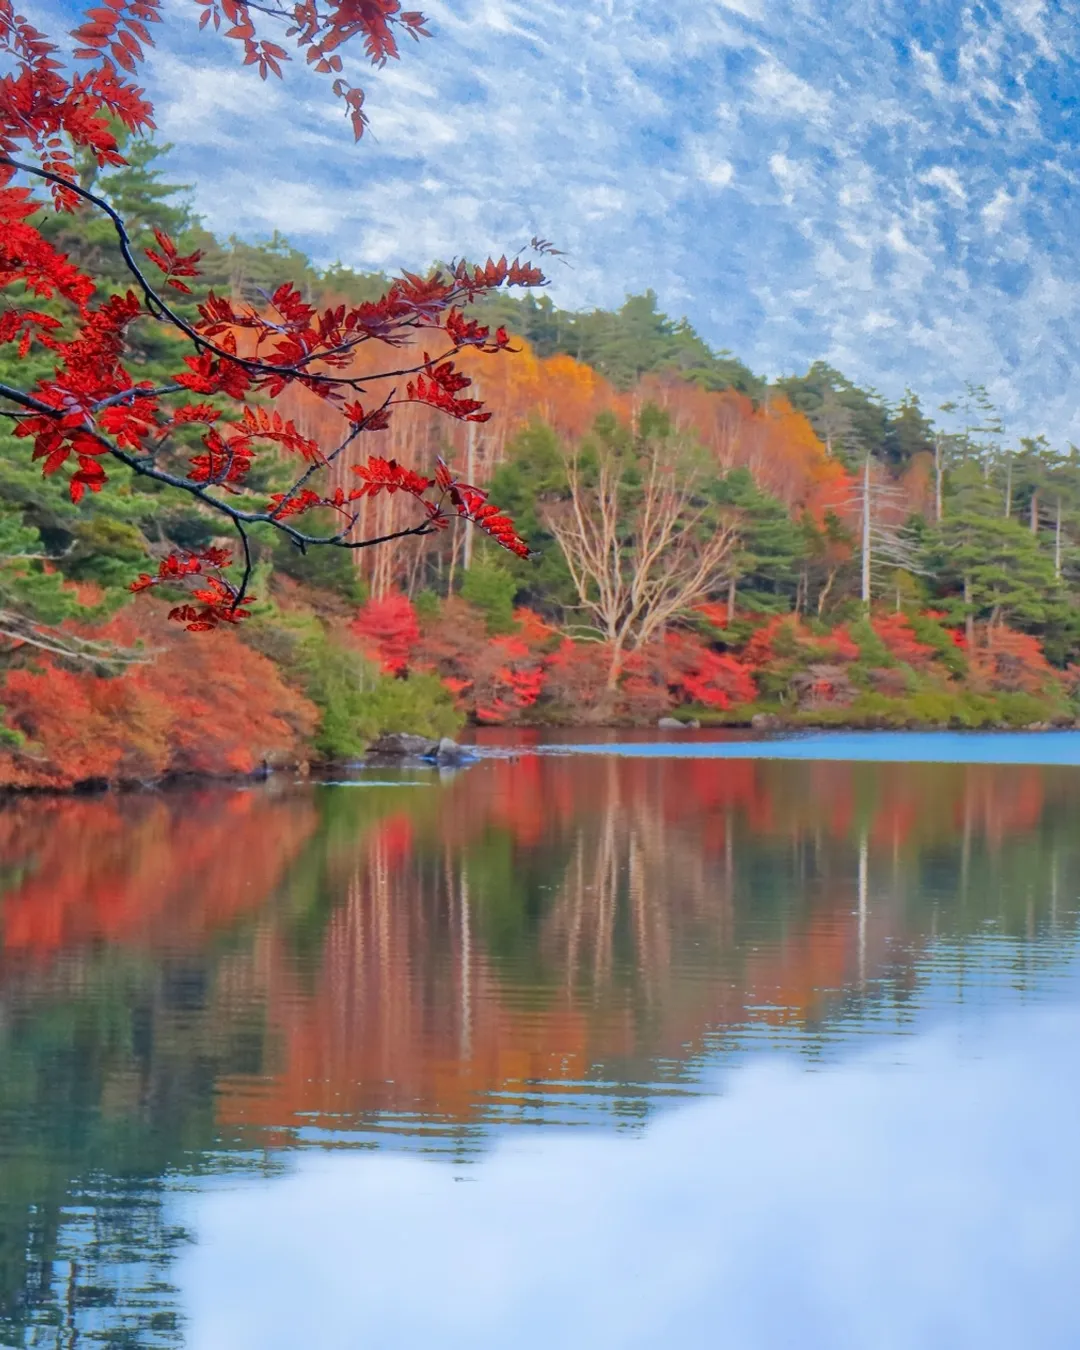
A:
(160, 309)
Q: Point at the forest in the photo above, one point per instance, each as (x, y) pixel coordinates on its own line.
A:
(704, 543)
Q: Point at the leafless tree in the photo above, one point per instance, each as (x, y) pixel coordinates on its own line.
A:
(641, 547)
(834, 422)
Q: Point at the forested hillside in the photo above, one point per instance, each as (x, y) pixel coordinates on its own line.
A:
(706, 541)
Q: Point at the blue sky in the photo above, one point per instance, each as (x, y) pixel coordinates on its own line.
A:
(802, 179)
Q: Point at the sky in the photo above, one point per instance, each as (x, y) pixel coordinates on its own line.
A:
(802, 179)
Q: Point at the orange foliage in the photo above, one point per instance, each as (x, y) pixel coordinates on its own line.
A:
(206, 704)
(1009, 661)
(775, 443)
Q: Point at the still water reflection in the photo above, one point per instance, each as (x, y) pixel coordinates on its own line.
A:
(804, 1039)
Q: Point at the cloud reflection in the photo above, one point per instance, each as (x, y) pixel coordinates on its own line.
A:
(921, 1196)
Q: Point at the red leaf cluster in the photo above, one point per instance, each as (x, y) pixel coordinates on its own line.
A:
(93, 407)
(118, 28)
(387, 475)
(440, 387)
(172, 264)
(318, 32)
(218, 601)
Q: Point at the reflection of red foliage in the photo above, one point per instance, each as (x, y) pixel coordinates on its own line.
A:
(145, 870)
(402, 1000)
(394, 836)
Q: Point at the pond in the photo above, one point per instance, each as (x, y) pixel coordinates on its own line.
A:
(758, 1044)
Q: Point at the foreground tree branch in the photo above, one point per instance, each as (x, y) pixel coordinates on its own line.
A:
(93, 411)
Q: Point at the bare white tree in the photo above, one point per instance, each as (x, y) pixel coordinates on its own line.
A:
(640, 548)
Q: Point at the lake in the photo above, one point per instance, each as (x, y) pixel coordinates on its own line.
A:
(721, 1042)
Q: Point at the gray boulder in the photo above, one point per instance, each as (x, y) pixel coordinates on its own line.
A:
(449, 752)
(402, 745)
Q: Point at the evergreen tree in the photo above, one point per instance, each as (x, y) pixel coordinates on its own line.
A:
(766, 564)
(908, 433)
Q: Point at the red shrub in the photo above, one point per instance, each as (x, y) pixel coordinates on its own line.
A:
(698, 674)
(1009, 661)
(896, 632)
(576, 680)
(493, 679)
(388, 631)
(838, 647)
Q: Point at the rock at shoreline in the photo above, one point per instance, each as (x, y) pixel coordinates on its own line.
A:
(401, 745)
(766, 722)
(676, 724)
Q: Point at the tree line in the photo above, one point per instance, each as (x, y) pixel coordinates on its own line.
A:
(677, 506)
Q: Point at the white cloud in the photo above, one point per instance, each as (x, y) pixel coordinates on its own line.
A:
(709, 166)
(860, 169)
(782, 93)
(929, 70)
(792, 178)
(946, 179)
(996, 211)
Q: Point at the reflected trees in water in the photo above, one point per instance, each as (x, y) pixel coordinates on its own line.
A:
(188, 978)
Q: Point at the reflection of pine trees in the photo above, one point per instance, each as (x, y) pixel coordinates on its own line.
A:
(110, 1066)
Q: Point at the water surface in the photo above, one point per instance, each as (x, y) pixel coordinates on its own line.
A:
(606, 1050)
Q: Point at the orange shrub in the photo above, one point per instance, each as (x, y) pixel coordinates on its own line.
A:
(206, 704)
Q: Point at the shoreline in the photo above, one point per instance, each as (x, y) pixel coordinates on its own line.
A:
(316, 771)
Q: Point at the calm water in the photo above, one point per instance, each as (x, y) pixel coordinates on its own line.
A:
(664, 1047)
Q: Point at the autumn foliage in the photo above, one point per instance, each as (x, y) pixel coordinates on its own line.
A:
(196, 709)
(95, 411)
(700, 543)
